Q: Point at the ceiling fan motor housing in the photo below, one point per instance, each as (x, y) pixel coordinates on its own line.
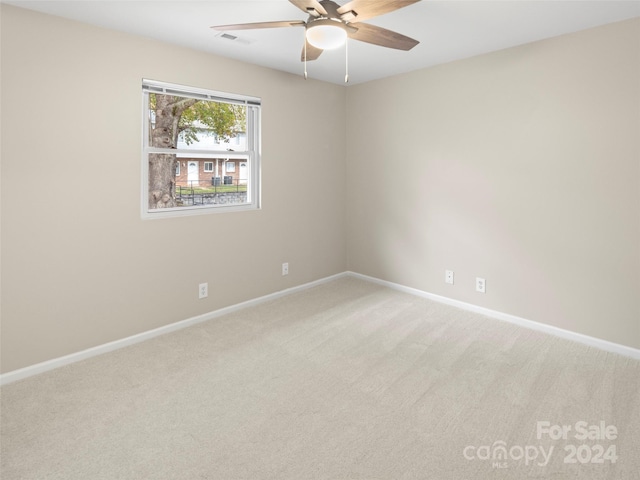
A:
(331, 9)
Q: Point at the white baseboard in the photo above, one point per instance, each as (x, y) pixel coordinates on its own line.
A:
(42, 367)
(523, 322)
(29, 371)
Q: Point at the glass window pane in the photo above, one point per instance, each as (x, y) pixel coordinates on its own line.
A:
(180, 122)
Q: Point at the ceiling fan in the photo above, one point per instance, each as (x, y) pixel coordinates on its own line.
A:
(329, 25)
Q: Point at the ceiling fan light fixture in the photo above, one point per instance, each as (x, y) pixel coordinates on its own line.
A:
(326, 34)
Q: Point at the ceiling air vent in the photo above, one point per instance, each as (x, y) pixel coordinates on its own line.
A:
(234, 38)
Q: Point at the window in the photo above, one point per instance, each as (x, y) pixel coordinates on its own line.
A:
(196, 128)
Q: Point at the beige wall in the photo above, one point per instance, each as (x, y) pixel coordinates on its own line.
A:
(522, 167)
(79, 266)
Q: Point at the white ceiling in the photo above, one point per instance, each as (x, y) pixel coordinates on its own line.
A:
(447, 29)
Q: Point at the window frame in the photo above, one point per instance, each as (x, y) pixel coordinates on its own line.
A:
(252, 154)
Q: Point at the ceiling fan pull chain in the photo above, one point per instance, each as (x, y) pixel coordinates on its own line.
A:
(346, 61)
(305, 55)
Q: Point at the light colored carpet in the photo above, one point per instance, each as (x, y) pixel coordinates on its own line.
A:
(346, 380)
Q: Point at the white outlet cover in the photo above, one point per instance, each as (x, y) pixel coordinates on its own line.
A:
(448, 277)
(481, 285)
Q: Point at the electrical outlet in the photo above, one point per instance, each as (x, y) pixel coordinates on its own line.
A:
(448, 277)
(480, 285)
(285, 269)
(203, 290)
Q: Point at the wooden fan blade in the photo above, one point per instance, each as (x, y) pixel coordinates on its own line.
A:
(312, 52)
(366, 9)
(248, 26)
(381, 36)
(307, 6)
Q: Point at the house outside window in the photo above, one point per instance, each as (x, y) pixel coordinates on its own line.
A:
(189, 132)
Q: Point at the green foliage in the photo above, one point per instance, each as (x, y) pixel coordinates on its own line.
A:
(222, 120)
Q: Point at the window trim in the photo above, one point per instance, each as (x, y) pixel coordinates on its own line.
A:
(251, 156)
